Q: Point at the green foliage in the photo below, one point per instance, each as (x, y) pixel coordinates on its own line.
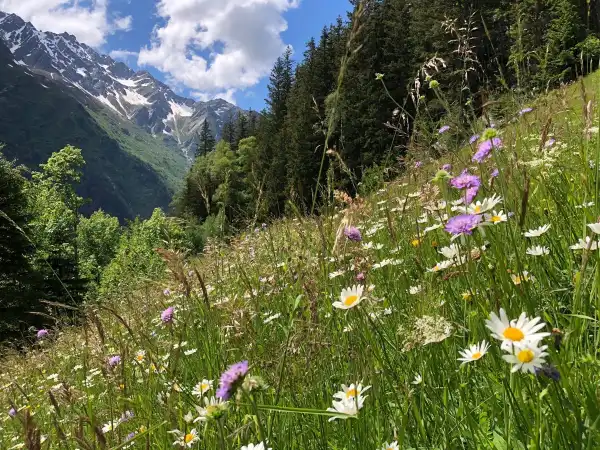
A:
(206, 140)
(136, 257)
(97, 243)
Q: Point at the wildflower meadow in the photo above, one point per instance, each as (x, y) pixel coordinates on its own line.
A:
(455, 307)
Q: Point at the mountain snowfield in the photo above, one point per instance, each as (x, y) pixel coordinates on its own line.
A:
(136, 96)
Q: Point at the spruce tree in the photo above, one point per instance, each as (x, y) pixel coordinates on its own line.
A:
(228, 131)
(242, 131)
(206, 140)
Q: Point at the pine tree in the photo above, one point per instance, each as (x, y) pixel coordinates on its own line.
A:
(228, 131)
(252, 122)
(242, 131)
(206, 141)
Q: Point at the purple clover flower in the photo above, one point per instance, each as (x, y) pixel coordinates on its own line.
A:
(167, 315)
(474, 139)
(353, 234)
(114, 361)
(443, 129)
(12, 412)
(463, 224)
(41, 334)
(231, 379)
(525, 111)
(447, 167)
(485, 148)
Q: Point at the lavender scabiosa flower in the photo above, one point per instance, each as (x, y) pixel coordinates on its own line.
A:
(525, 111)
(167, 315)
(469, 183)
(353, 234)
(485, 148)
(474, 139)
(444, 129)
(231, 379)
(463, 224)
(12, 412)
(43, 333)
(114, 361)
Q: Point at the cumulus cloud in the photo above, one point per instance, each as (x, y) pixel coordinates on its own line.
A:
(217, 46)
(123, 55)
(227, 95)
(123, 23)
(88, 21)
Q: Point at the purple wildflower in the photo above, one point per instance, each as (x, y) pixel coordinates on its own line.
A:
(127, 415)
(549, 371)
(447, 167)
(231, 379)
(353, 234)
(130, 436)
(444, 129)
(167, 292)
(463, 224)
(41, 334)
(360, 277)
(525, 111)
(495, 173)
(473, 139)
(418, 164)
(550, 142)
(465, 180)
(114, 361)
(485, 148)
(12, 412)
(167, 315)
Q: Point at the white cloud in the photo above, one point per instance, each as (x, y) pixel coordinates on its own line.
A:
(227, 95)
(88, 21)
(216, 46)
(123, 23)
(123, 55)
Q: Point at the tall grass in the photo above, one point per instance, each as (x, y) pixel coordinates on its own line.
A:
(267, 298)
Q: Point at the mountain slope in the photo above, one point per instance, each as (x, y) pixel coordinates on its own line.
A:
(135, 96)
(39, 116)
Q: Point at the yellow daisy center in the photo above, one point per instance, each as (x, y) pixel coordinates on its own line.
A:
(350, 300)
(513, 334)
(415, 242)
(188, 438)
(526, 356)
(139, 357)
(496, 219)
(351, 393)
(517, 280)
(466, 295)
(477, 209)
(204, 386)
(476, 355)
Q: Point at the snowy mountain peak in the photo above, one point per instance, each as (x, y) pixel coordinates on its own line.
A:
(136, 96)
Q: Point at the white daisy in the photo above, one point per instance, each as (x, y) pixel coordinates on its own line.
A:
(450, 252)
(414, 290)
(212, 408)
(480, 207)
(202, 388)
(519, 279)
(185, 439)
(538, 250)
(537, 232)
(346, 407)
(390, 446)
(441, 266)
(585, 245)
(514, 331)
(259, 446)
(336, 274)
(432, 228)
(595, 227)
(474, 352)
(418, 379)
(350, 297)
(351, 391)
(496, 217)
(526, 356)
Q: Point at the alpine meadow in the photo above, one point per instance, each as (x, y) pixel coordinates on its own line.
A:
(401, 251)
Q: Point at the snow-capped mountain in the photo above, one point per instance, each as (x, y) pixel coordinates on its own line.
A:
(136, 96)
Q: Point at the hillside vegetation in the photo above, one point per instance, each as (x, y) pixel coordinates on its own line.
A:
(352, 324)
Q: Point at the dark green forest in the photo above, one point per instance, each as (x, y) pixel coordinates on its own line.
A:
(372, 90)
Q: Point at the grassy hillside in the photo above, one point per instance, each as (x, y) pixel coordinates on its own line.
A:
(127, 172)
(272, 298)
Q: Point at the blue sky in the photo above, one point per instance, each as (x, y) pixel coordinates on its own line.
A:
(201, 48)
